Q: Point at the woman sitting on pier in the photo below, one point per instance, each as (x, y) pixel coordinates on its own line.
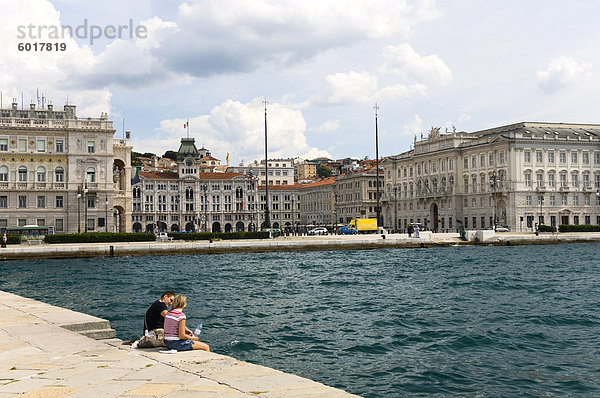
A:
(177, 336)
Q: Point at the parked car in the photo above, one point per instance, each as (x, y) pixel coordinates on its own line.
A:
(318, 231)
(348, 230)
(275, 232)
(499, 228)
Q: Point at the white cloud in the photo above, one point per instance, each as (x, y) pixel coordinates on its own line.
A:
(414, 126)
(50, 71)
(240, 36)
(327, 126)
(405, 61)
(238, 129)
(563, 71)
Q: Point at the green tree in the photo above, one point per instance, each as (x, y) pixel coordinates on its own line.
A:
(323, 171)
(171, 155)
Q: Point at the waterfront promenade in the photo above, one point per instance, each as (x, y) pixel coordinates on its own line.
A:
(289, 243)
(48, 351)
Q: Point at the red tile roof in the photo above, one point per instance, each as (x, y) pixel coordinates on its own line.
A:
(279, 187)
(159, 175)
(324, 181)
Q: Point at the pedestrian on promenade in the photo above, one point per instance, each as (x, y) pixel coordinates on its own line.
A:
(4, 239)
(177, 336)
(417, 231)
(410, 230)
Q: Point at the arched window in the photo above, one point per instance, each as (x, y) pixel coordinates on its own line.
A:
(41, 174)
(59, 174)
(3, 173)
(91, 174)
(23, 174)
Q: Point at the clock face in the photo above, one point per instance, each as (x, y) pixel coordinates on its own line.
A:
(188, 162)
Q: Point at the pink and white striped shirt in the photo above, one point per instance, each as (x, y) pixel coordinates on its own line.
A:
(172, 324)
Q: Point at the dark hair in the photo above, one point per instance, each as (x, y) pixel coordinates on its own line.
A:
(168, 293)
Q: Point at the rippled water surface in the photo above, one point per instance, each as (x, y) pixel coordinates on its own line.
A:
(460, 321)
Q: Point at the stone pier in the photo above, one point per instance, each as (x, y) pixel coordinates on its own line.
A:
(48, 351)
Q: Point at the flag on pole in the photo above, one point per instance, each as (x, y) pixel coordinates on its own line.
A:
(227, 158)
(186, 123)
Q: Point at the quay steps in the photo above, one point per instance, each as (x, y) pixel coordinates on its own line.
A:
(97, 330)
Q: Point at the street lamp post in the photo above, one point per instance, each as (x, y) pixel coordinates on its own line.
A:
(267, 220)
(541, 219)
(335, 204)
(204, 187)
(106, 215)
(395, 209)
(378, 209)
(493, 182)
(85, 191)
(78, 210)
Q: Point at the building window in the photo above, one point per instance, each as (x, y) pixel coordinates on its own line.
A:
(552, 200)
(3, 202)
(482, 161)
(538, 157)
(22, 201)
(573, 157)
(91, 147)
(91, 174)
(551, 179)
(41, 201)
(551, 157)
(563, 200)
(575, 200)
(528, 179)
(586, 158)
(466, 163)
(562, 157)
(60, 147)
(59, 174)
(563, 180)
(41, 222)
(22, 222)
(59, 201)
(574, 179)
(540, 179)
(41, 174)
(23, 174)
(3, 173)
(575, 220)
(586, 200)
(3, 144)
(101, 222)
(91, 224)
(527, 157)
(491, 159)
(41, 145)
(22, 145)
(59, 225)
(528, 200)
(501, 157)
(91, 201)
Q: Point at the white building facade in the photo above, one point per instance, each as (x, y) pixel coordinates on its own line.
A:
(516, 176)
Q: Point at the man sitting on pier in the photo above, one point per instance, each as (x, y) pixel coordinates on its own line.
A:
(154, 321)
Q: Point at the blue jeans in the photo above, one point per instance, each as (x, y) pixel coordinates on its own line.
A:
(179, 345)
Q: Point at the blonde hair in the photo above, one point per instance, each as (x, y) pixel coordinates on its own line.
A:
(180, 301)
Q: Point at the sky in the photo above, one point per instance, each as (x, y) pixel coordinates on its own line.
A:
(321, 65)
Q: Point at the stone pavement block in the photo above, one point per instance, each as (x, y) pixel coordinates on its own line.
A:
(25, 385)
(268, 383)
(153, 389)
(109, 389)
(10, 358)
(241, 370)
(16, 374)
(207, 394)
(151, 372)
(188, 379)
(307, 392)
(83, 377)
(49, 392)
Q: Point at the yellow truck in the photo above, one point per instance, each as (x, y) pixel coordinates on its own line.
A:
(364, 224)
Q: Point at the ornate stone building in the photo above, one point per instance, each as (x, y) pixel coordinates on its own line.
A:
(193, 200)
(515, 176)
(62, 171)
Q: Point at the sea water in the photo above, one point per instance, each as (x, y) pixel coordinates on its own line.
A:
(459, 321)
